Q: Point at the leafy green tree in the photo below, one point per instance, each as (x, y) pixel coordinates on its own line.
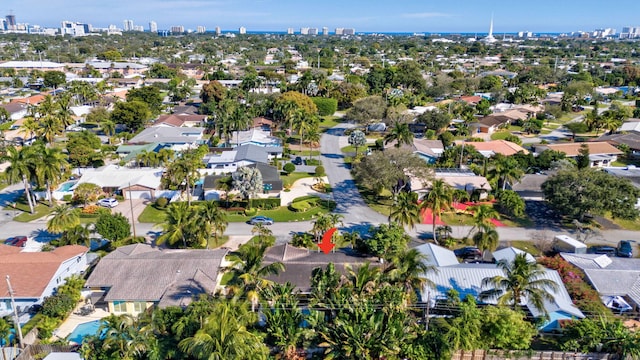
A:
(575, 193)
(134, 114)
(113, 226)
(434, 120)
(368, 109)
(439, 198)
(83, 149)
(283, 319)
(503, 328)
(149, 95)
(54, 79)
(601, 335)
(326, 106)
(63, 218)
(87, 192)
(464, 331)
(213, 91)
(523, 281)
(582, 160)
(510, 203)
(384, 241)
(77, 235)
(576, 128)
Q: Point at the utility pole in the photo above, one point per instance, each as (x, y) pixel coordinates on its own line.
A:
(16, 319)
(426, 320)
(133, 222)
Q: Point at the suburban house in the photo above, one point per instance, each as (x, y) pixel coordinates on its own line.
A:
(429, 150)
(601, 154)
(610, 276)
(180, 138)
(181, 120)
(272, 183)
(530, 186)
(129, 153)
(136, 277)
(16, 110)
(490, 124)
(134, 183)
(630, 139)
(300, 263)
(502, 147)
(36, 275)
(461, 179)
(226, 161)
(256, 136)
(185, 110)
(466, 279)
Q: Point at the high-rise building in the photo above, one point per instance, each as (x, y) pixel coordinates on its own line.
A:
(349, 31)
(153, 26)
(313, 31)
(325, 31)
(218, 31)
(242, 30)
(74, 28)
(304, 30)
(3, 24)
(201, 29)
(11, 22)
(290, 31)
(339, 31)
(178, 29)
(128, 25)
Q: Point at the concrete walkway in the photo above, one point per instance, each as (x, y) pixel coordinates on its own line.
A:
(301, 187)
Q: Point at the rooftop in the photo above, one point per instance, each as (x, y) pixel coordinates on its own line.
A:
(503, 147)
(595, 148)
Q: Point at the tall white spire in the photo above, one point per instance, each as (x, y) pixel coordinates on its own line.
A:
(490, 38)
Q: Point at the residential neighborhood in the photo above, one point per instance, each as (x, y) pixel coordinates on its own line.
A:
(353, 196)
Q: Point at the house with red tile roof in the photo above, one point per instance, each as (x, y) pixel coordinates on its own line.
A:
(36, 275)
(181, 120)
(601, 153)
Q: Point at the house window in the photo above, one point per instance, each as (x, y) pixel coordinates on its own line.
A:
(119, 306)
(139, 306)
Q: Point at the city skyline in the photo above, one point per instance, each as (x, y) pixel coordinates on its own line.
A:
(272, 15)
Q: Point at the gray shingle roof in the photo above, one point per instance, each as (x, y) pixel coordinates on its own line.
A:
(170, 135)
(169, 277)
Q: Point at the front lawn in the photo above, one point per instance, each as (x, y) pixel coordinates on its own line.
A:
(41, 210)
(294, 176)
(327, 122)
(152, 214)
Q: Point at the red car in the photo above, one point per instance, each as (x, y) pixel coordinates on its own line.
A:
(19, 241)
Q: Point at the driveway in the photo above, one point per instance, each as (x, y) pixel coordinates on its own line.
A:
(124, 207)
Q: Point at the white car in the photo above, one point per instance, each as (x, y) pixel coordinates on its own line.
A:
(108, 202)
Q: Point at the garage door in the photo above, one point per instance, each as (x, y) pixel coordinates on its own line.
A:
(138, 194)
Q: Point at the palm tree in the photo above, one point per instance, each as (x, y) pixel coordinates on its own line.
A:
(183, 171)
(483, 216)
(263, 232)
(248, 271)
(225, 335)
(178, 224)
(214, 220)
(400, 133)
(50, 167)
(122, 337)
(77, 235)
(486, 239)
(64, 112)
(506, 170)
(239, 121)
(364, 279)
(225, 184)
(21, 167)
(406, 210)
(283, 319)
(108, 127)
(31, 126)
(438, 198)
(409, 269)
(64, 217)
(524, 281)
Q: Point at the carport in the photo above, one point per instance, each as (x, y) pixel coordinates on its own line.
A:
(138, 192)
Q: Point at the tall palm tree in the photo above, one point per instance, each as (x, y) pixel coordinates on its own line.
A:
(364, 279)
(108, 127)
(31, 126)
(214, 220)
(523, 282)
(183, 171)
(400, 133)
(64, 112)
(486, 239)
(21, 168)
(248, 271)
(240, 120)
(122, 337)
(409, 269)
(405, 210)
(505, 170)
(225, 184)
(50, 166)
(313, 137)
(283, 320)
(262, 231)
(438, 198)
(225, 335)
(178, 224)
(483, 216)
(63, 218)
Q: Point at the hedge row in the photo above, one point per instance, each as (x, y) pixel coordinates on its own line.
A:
(326, 106)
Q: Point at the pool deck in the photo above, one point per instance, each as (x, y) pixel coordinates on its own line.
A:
(74, 320)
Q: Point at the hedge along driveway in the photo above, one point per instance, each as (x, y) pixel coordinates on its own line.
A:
(151, 214)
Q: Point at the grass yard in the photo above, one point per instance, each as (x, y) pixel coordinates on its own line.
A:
(524, 245)
(295, 176)
(633, 225)
(151, 214)
(304, 153)
(352, 150)
(327, 122)
(41, 210)
(501, 135)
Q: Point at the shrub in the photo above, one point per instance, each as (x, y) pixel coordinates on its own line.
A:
(267, 204)
(251, 211)
(113, 227)
(312, 199)
(300, 206)
(119, 197)
(320, 170)
(326, 106)
(312, 162)
(90, 209)
(303, 240)
(289, 168)
(58, 306)
(67, 198)
(45, 326)
(162, 202)
(514, 139)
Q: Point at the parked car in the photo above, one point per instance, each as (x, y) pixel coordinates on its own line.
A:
(108, 202)
(604, 250)
(18, 241)
(297, 160)
(261, 220)
(624, 249)
(468, 253)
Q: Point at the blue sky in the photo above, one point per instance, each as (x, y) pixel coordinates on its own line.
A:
(363, 15)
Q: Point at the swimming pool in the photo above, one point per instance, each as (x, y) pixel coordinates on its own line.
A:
(66, 186)
(84, 329)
